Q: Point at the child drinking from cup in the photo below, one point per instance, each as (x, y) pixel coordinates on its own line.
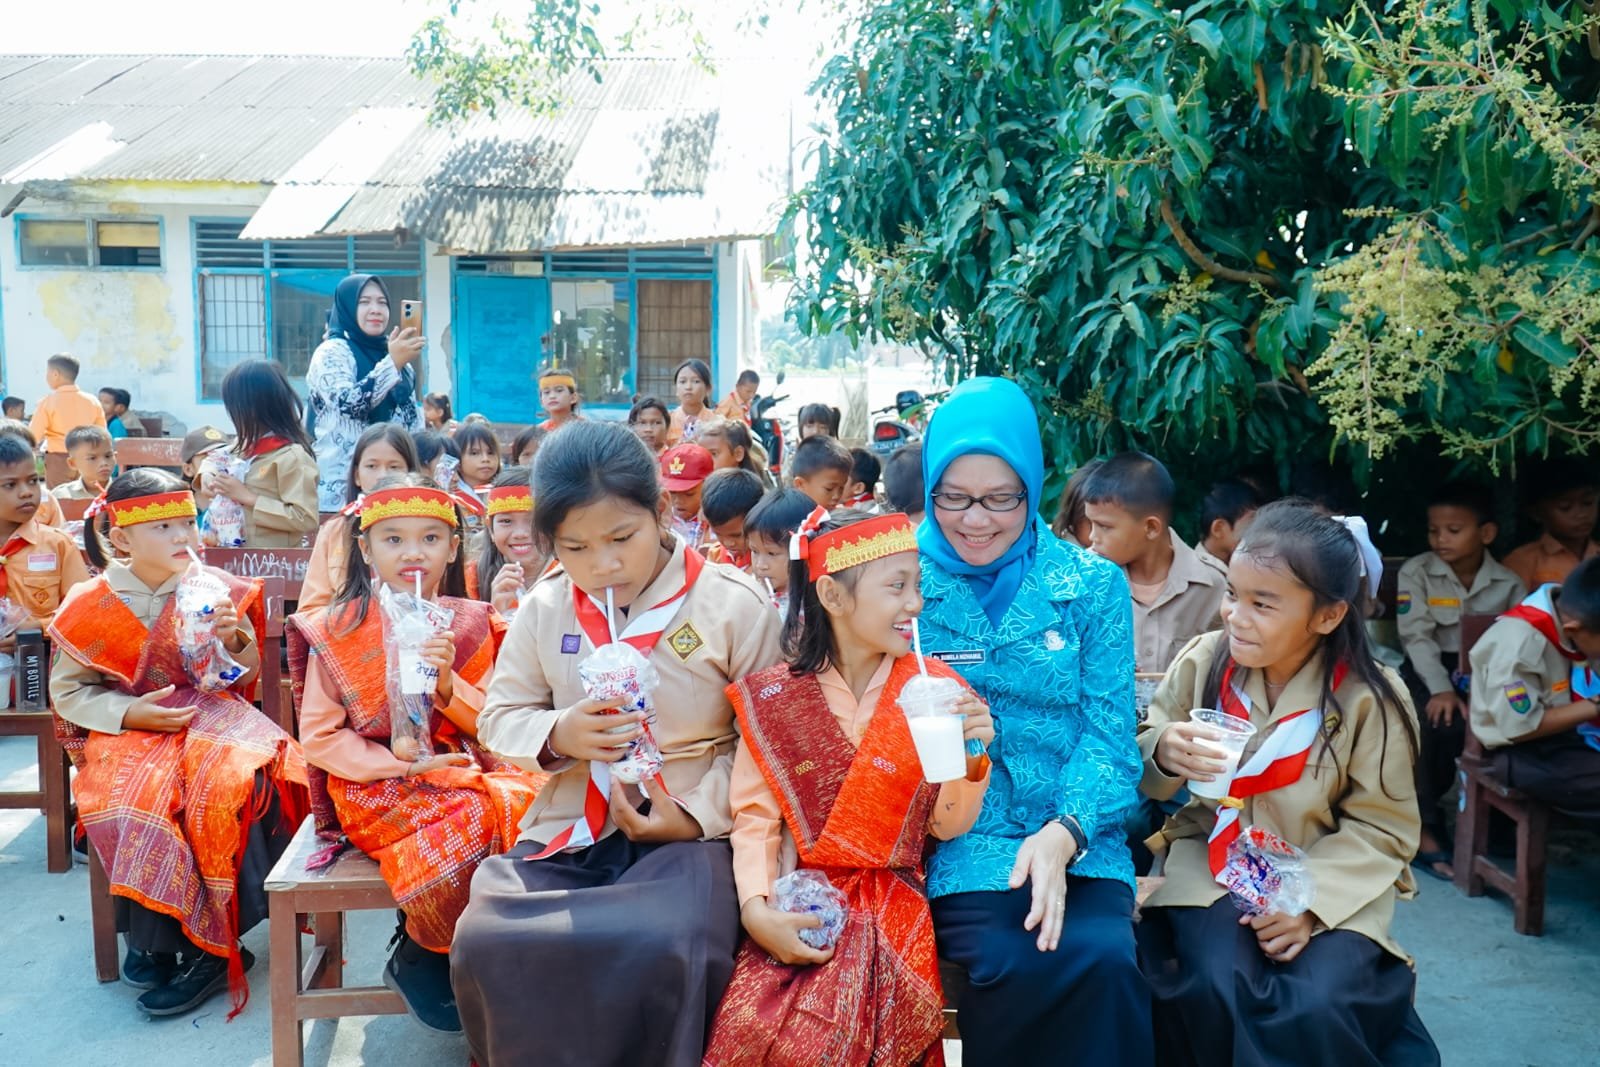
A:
(279, 489)
(1328, 770)
(629, 897)
(511, 561)
(861, 815)
(427, 819)
(767, 529)
(181, 791)
(383, 450)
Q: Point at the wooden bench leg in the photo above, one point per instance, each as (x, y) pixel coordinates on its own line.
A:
(103, 920)
(283, 946)
(1472, 835)
(329, 930)
(58, 823)
(1532, 831)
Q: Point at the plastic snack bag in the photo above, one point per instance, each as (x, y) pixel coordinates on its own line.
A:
(408, 623)
(199, 592)
(12, 615)
(1267, 875)
(447, 473)
(225, 517)
(809, 892)
(618, 670)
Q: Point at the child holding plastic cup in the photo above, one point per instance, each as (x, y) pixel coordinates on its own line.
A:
(511, 561)
(624, 890)
(182, 791)
(1327, 770)
(828, 778)
(427, 819)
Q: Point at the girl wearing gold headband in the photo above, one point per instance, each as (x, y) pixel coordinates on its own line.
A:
(511, 561)
(181, 791)
(862, 820)
(558, 395)
(427, 821)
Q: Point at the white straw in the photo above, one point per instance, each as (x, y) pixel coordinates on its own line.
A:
(772, 594)
(916, 643)
(611, 615)
(418, 576)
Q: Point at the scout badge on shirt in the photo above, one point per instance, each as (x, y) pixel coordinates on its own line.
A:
(1402, 604)
(1517, 696)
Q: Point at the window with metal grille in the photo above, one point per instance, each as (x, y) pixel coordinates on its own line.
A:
(270, 299)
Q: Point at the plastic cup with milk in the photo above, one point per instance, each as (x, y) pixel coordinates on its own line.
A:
(936, 729)
(1227, 743)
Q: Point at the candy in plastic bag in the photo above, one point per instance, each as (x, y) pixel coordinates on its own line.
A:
(409, 621)
(12, 615)
(200, 592)
(225, 517)
(447, 473)
(809, 892)
(1267, 875)
(618, 670)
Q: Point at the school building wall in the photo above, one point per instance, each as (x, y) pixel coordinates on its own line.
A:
(143, 328)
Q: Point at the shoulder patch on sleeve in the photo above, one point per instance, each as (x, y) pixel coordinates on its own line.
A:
(1518, 697)
(1402, 604)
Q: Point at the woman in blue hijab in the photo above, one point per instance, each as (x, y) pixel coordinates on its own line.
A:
(359, 375)
(1036, 901)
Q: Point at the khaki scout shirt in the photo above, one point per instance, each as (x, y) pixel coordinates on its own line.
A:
(724, 630)
(1210, 558)
(1353, 809)
(1186, 607)
(39, 576)
(82, 695)
(1516, 675)
(74, 490)
(1429, 606)
(285, 513)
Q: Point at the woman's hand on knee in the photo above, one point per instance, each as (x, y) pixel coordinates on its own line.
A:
(1043, 860)
(1281, 937)
(779, 932)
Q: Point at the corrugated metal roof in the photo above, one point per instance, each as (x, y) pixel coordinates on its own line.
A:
(658, 151)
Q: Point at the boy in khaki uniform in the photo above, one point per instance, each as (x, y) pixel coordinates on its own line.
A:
(1534, 687)
(1176, 596)
(1456, 577)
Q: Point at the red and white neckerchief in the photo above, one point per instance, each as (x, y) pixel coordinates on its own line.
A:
(861, 500)
(1279, 761)
(642, 632)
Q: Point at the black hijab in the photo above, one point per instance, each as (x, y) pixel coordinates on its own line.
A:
(368, 350)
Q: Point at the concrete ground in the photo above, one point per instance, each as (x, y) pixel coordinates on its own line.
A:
(1490, 997)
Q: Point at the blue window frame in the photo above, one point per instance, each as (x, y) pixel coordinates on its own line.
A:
(620, 319)
(269, 299)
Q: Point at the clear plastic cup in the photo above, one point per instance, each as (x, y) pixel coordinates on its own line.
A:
(1231, 736)
(8, 669)
(935, 729)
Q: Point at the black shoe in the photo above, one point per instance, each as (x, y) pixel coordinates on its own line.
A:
(198, 978)
(147, 970)
(422, 979)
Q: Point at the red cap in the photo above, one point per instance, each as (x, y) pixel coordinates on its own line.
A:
(685, 466)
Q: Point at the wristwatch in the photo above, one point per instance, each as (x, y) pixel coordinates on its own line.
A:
(1078, 836)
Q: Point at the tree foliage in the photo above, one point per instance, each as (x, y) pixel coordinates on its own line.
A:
(1229, 230)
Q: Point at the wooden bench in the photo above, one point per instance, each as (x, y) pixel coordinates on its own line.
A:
(1483, 792)
(312, 986)
(53, 797)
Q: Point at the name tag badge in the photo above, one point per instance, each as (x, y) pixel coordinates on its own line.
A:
(966, 657)
(570, 644)
(41, 561)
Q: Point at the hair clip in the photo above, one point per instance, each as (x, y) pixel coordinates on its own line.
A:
(353, 508)
(96, 506)
(800, 540)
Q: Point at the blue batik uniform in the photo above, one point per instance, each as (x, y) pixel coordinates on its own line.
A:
(1058, 675)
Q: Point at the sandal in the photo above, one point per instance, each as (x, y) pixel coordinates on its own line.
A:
(1425, 862)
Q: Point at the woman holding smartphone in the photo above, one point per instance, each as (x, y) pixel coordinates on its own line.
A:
(362, 373)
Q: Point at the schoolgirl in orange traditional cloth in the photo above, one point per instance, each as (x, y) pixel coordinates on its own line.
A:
(606, 936)
(189, 797)
(383, 450)
(827, 778)
(511, 561)
(428, 821)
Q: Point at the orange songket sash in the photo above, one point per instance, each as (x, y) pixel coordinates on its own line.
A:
(860, 815)
(170, 813)
(428, 832)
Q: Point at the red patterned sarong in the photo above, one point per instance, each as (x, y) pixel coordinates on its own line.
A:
(860, 816)
(170, 814)
(428, 833)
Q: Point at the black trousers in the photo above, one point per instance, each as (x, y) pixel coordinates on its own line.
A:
(1084, 1003)
(1441, 746)
(1561, 770)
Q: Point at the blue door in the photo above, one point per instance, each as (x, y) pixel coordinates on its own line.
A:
(498, 324)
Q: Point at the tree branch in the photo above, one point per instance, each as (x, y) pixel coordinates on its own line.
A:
(1205, 262)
